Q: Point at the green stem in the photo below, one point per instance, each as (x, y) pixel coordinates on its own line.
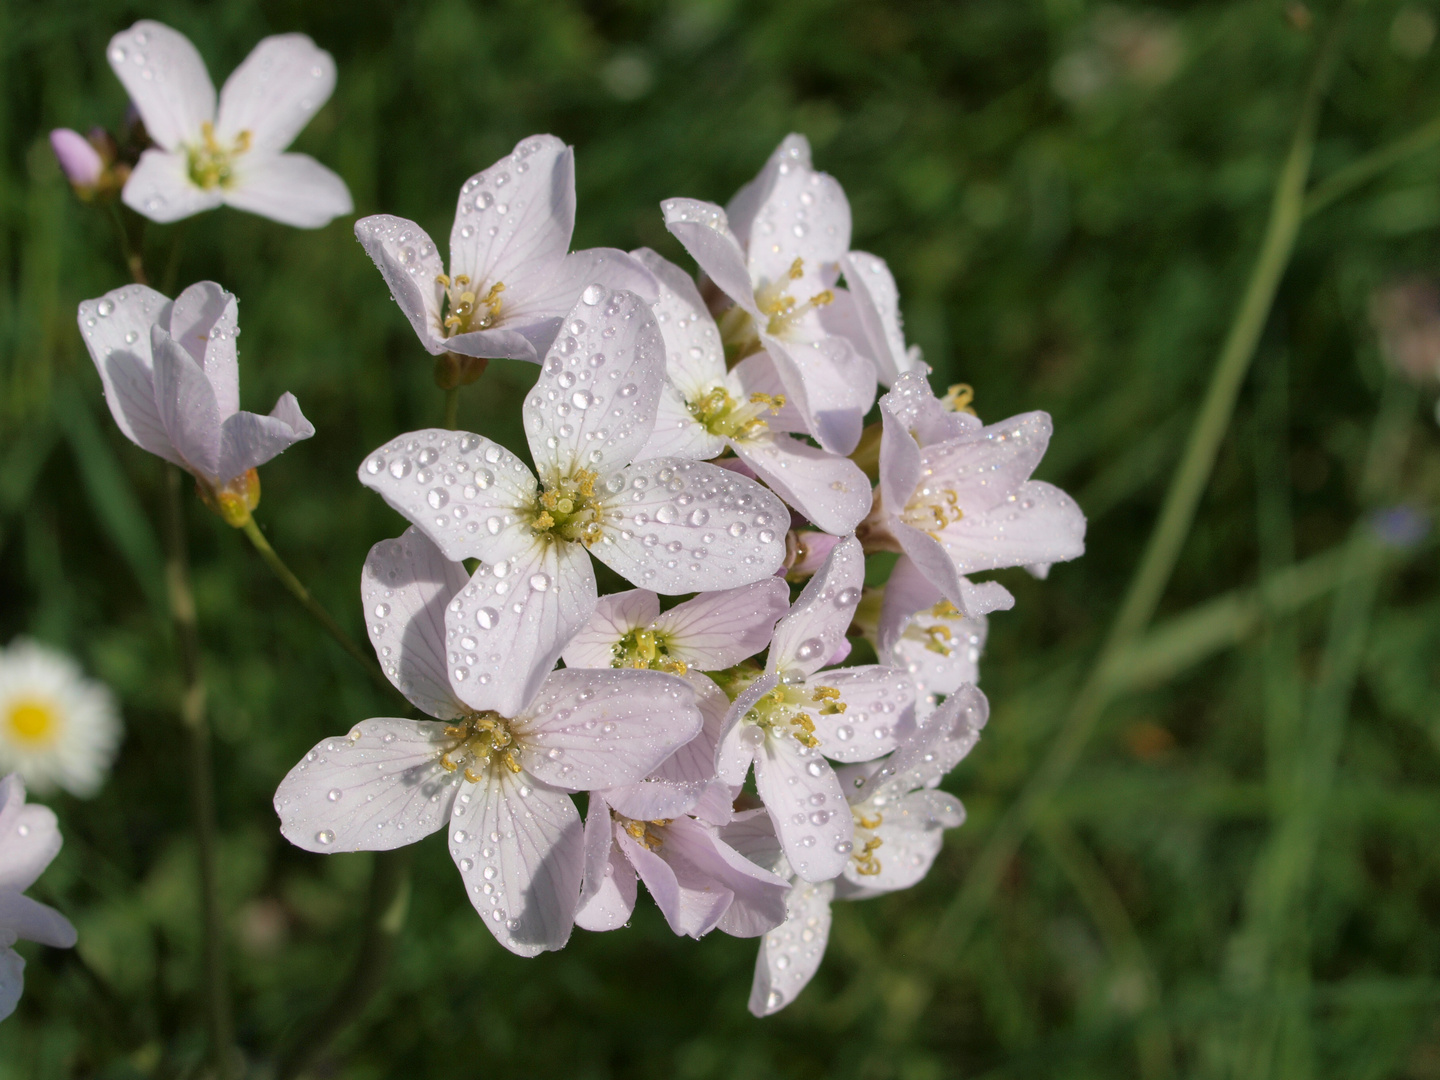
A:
(134, 259)
(1176, 515)
(202, 777)
(1367, 168)
(452, 408)
(317, 611)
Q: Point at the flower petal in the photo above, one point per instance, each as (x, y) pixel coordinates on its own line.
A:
(806, 638)
(804, 216)
(408, 261)
(736, 747)
(249, 440)
(589, 729)
(119, 343)
(29, 836)
(160, 188)
(984, 467)
(203, 321)
(677, 433)
(791, 954)
(704, 230)
(829, 383)
(830, 490)
(186, 403)
(912, 403)
(718, 629)
(792, 153)
(593, 406)
(461, 490)
(1038, 523)
(876, 304)
(616, 615)
(382, 787)
(607, 897)
(936, 563)
(694, 354)
(691, 901)
(405, 588)
(693, 764)
(31, 920)
(293, 189)
(166, 79)
(806, 805)
(880, 707)
(752, 834)
(910, 836)
(519, 846)
(935, 747)
(12, 980)
(274, 92)
(507, 627)
(689, 526)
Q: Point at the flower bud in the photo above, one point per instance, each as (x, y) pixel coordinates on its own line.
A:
(805, 552)
(79, 161)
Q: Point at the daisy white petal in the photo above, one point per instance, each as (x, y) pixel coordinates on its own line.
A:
(293, 189)
(790, 954)
(166, 79)
(275, 92)
(57, 727)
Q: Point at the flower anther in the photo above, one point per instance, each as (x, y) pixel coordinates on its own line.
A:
(211, 165)
(782, 313)
(720, 414)
(483, 741)
(465, 308)
(568, 509)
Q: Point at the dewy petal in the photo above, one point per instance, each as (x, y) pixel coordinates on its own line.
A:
(930, 751)
(461, 490)
(608, 895)
(911, 835)
(876, 304)
(507, 627)
(31, 920)
(831, 491)
(516, 217)
(408, 261)
(911, 402)
(719, 629)
(791, 954)
(186, 403)
(293, 189)
(986, 466)
(204, 322)
(378, 788)
(593, 406)
(589, 729)
(806, 638)
(166, 79)
(906, 591)
(160, 188)
(909, 591)
(821, 378)
(249, 440)
(29, 836)
(694, 763)
(806, 805)
(732, 753)
(677, 433)
(703, 229)
(694, 354)
(757, 374)
(880, 708)
(691, 901)
(689, 526)
(900, 461)
(405, 588)
(119, 343)
(523, 841)
(751, 833)
(805, 216)
(1037, 523)
(793, 152)
(274, 92)
(615, 616)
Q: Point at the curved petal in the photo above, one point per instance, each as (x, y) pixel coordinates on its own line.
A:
(693, 765)
(12, 980)
(1038, 523)
(792, 153)
(380, 787)
(677, 433)
(119, 343)
(691, 901)
(31, 920)
(593, 406)
(689, 526)
(166, 79)
(806, 805)
(933, 561)
(249, 440)
(519, 846)
(880, 708)
(757, 374)
(703, 229)
(719, 629)
(463, 491)
(876, 303)
(984, 467)
(204, 322)
(694, 354)
(831, 491)
(408, 261)
(29, 840)
(907, 848)
(160, 188)
(506, 628)
(293, 189)
(186, 403)
(912, 403)
(815, 628)
(616, 615)
(804, 216)
(589, 729)
(791, 954)
(935, 747)
(820, 378)
(405, 588)
(737, 743)
(608, 897)
(752, 834)
(274, 92)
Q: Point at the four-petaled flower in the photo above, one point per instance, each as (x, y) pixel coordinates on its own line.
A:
(927, 637)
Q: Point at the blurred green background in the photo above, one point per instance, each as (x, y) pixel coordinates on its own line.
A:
(1070, 195)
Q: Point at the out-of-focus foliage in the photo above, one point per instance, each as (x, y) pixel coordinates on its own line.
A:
(1070, 194)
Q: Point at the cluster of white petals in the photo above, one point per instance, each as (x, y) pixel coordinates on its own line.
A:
(29, 840)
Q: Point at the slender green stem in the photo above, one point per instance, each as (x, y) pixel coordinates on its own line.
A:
(134, 259)
(452, 408)
(1367, 168)
(172, 264)
(1176, 515)
(202, 776)
(317, 611)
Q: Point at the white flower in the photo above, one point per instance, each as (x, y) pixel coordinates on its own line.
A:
(172, 380)
(29, 839)
(868, 314)
(705, 409)
(499, 781)
(899, 819)
(926, 636)
(234, 156)
(510, 281)
(790, 719)
(775, 250)
(956, 496)
(672, 526)
(57, 727)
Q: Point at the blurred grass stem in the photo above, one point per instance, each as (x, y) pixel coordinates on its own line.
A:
(1187, 486)
(1367, 168)
(452, 408)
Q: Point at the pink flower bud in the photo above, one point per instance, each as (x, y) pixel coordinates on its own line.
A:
(811, 551)
(80, 161)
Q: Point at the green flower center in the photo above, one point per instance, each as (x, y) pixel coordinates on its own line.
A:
(212, 165)
(567, 509)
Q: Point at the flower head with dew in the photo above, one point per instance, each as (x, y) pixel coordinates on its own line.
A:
(699, 882)
(498, 780)
(706, 410)
(899, 820)
(232, 155)
(510, 281)
(668, 525)
(58, 729)
(29, 839)
(956, 496)
(789, 719)
(775, 251)
(171, 373)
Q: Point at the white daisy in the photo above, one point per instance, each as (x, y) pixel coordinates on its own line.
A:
(57, 728)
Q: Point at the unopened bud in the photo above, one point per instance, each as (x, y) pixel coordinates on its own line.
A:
(79, 161)
(805, 552)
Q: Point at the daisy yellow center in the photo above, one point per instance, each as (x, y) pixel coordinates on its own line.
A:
(33, 722)
(568, 509)
(467, 308)
(212, 165)
(778, 308)
(785, 711)
(646, 649)
(481, 742)
(720, 414)
(863, 855)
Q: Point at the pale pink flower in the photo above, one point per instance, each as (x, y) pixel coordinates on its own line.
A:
(670, 525)
(79, 161)
(498, 781)
(29, 839)
(927, 637)
(868, 314)
(510, 281)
